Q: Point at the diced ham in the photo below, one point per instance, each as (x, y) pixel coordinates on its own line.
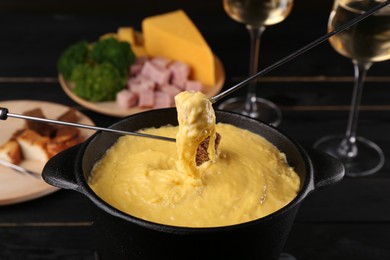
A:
(171, 90)
(193, 85)
(160, 62)
(154, 83)
(180, 73)
(141, 60)
(146, 98)
(159, 75)
(135, 69)
(140, 84)
(162, 100)
(126, 98)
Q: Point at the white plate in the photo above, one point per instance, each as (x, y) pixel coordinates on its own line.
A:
(113, 109)
(16, 187)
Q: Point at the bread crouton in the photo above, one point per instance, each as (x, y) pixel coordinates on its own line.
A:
(66, 137)
(69, 116)
(65, 133)
(55, 146)
(11, 152)
(44, 129)
(201, 154)
(33, 145)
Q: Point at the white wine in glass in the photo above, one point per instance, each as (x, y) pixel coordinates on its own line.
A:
(368, 41)
(364, 43)
(256, 15)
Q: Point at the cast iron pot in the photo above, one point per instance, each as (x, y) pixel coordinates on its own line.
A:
(122, 236)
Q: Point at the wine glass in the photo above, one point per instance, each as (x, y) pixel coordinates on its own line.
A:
(256, 14)
(364, 43)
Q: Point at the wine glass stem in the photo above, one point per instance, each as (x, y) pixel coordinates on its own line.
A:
(255, 35)
(348, 146)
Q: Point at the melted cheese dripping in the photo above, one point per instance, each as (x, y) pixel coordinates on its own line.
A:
(196, 122)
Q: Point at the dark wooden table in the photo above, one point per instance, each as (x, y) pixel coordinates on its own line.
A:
(349, 220)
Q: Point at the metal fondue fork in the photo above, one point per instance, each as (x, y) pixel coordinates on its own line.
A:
(4, 111)
(4, 114)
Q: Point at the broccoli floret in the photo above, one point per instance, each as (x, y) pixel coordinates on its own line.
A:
(97, 72)
(115, 52)
(73, 55)
(97, 82)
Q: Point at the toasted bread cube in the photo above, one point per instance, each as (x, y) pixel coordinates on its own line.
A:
(33, 145)
(39, 127)
(69, 116)
(11, 152)
(54, 148)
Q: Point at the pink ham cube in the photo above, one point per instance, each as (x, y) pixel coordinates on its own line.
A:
(180, 73)
(146, 98)
(160, 62)
(159, 75)
(193, 85)
(162, 100)
(140, 84)
(171, 90)
(126, 98)
(141, 60)
(135, 69)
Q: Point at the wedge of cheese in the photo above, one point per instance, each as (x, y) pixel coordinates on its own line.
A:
(174, 35)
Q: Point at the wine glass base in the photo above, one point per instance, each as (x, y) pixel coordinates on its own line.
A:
(267, 112)
(369, 158)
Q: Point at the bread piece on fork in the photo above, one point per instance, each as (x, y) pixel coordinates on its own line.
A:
(201, 154)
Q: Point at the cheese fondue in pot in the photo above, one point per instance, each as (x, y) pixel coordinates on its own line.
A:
(245, 178)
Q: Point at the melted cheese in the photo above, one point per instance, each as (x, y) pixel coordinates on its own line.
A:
(175, 36)
(156, 180)
(196, 119)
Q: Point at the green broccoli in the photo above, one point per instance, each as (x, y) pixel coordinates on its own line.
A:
(73, 55)
(97, 72)
(113, 51)
(97, 82)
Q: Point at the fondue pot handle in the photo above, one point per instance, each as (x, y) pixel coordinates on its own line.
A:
(327, 169)
(59, 171)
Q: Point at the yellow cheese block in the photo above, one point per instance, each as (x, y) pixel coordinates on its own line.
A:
(134, 38)
(174, 35)
(109, 35)
(139, 50)
(126, 34)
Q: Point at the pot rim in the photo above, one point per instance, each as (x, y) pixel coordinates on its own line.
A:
(306, 187)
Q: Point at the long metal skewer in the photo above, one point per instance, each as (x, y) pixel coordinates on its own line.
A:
(4, 114)
(293, 55)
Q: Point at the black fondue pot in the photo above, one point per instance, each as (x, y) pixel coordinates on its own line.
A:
(122, 236)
